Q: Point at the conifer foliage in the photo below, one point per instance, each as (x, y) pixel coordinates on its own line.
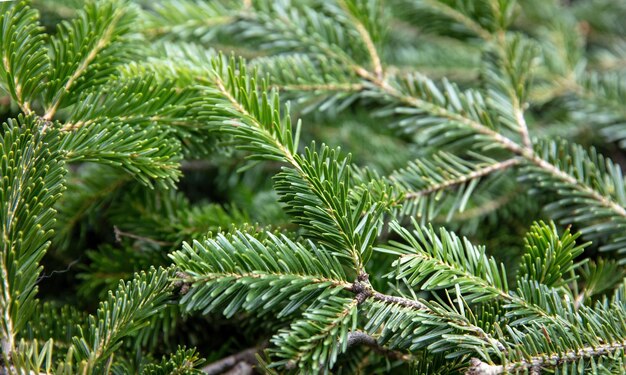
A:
(446, 191)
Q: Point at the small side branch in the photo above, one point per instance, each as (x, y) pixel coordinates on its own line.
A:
(465, 178)
(369, 43)
(102, 43)
(363, 290)
(534, 364)
(405, 302)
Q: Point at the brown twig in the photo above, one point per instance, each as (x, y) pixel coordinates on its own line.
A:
(362, 338)
(227, 363)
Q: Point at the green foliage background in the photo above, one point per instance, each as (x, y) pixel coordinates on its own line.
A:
(349, 186)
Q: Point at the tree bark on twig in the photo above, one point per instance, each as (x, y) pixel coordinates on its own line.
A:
(247, 356)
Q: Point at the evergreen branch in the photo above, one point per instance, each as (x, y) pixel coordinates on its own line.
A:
(301, 70)
(145, 152)
(464, 178)
(138, 101)
(598, 277)
(287, 26)
(358, 15)
(444, 261)
(463, 109)
(324, 206)
(32, 180)
(391, 313)
(235, 93)
(320, 83)
(404, 302)
(437, 328)
(509, 72)
(599, 333)
(315, 341)
(121, 315)
(582, 180)
(192, 63)
(458, 16)
(478, 367)
(549, 257)
(30, 359)
(182, 362)
(95, 35)
(186, 19)
(560, 164)
(320, 179)
(23, 53)
(238, 272)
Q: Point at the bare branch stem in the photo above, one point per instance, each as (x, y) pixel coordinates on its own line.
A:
(477, 367)
(226, 363)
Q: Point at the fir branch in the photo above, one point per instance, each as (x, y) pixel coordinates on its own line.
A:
(95, 34)
(438, 328)
(121, 315)
(24, 55)
(182, 362)
(315, 341)
(145, 152)
(478, 367)
(321, 177)
(444, 261)
(549, 258)
(239, 272)
(358, 15)
(595, 180)
(32, 181)
(186, 19)
(319, 84)
(463, 178)
(459, 16)
(453, 106)
(138, 101)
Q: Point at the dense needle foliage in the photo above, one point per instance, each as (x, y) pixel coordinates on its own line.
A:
(312, 186)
